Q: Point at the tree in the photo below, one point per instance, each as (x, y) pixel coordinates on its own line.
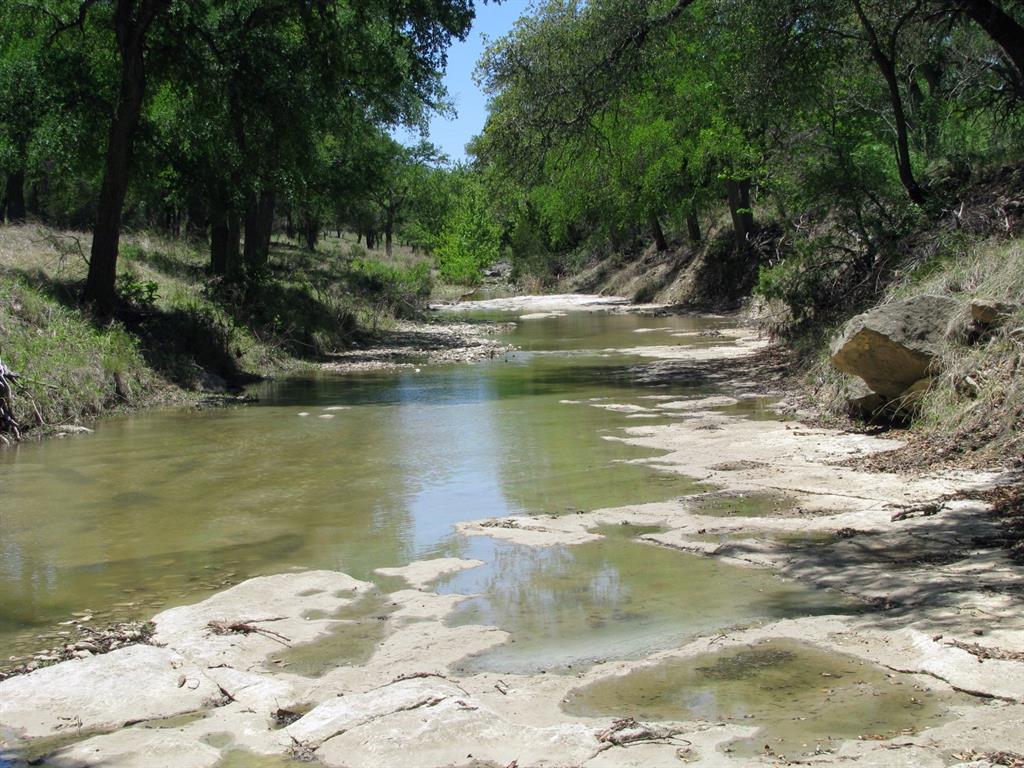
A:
(380, 56)
(398, 173)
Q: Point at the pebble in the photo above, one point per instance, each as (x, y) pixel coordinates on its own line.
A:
(303, 413)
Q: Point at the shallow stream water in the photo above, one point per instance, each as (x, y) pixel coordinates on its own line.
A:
(164, 508)
(360, 472)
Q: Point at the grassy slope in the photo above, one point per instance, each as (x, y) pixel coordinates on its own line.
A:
(974, 410)
(74, 367)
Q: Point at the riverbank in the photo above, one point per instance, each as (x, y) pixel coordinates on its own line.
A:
(937, 623)
(183, 338)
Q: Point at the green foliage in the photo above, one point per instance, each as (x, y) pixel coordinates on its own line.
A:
(611, 120)
(392, 288)
(470, 240)
(141, 293)
(67, 364)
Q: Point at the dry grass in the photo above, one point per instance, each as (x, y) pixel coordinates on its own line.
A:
(976, 405)
(973, 413)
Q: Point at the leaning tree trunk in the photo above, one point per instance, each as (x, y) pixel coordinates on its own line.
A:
(16, 197)
(131, 24)
(693, 227)
(738, 191)
(887, 67)
(1000, 26)
(658, 233)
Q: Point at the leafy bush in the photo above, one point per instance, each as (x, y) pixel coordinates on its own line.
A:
(392, 288)
(141, 293)
(470, 240)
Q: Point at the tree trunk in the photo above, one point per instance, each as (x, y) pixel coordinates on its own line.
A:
(388, 235)
(887, 67)
(738, 191)
(131, 24)
(312, 233)
(16, 197)
(659, 235)
(233, 251)
(195, 219)
(259, 223)
(1000, 26)
(219, 244)
(693, 227)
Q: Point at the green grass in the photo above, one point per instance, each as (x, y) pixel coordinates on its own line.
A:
(67, 364)
(176, 322)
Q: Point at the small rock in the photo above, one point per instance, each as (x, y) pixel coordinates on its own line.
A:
(211, 382)
(990, 311)
(861, 402)
(912, 395)
(73, 429)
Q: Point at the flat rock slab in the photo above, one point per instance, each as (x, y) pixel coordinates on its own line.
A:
(543, 303)
(104, 692)
(276, 605)
(344, 713)
(138, 748)
(420, 573)
(457, 731)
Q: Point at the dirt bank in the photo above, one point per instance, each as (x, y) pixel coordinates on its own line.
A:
(940, 616)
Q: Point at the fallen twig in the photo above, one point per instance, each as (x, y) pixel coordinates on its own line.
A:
(246, 628)
(985, 652)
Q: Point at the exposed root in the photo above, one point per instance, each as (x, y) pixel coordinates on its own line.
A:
(983, 652)
(1007, 759)
(246, 628)
(627, 731)
(7, 421)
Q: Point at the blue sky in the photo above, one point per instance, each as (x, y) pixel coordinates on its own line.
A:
(451, 135)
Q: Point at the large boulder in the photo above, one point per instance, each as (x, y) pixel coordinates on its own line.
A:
(895, 345)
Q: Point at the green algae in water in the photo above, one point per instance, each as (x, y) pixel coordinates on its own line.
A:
(569, 607)
(627, 530)
(361, 627)
(741, 504)
(797, 694)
